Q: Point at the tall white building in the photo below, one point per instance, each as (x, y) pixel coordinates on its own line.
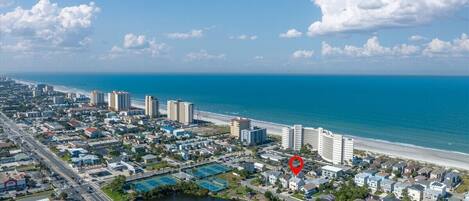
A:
(311, 137)
(297, 137)
(180, 111)
(237, 125)
(119, 101)
(172, 109)
(333, 148)
(151, 106)
(97, 98)
(186, 113)
(287, 138)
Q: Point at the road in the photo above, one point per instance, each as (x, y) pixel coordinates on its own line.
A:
(88, 190)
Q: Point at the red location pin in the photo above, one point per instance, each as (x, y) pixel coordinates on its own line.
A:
(298, 168)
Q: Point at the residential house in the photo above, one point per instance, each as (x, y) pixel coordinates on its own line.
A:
(285, 180)
(92, 132)
(331, 171)
(149, 159)
(425, 171)
(309, 190)
(399, 187)
(452, 179)
(295, 183)
(374, 183)
(387, 185)
(12, 181)
(274, 176)
(361, 179)
(435, 191)
(415, 192)
(437, 174)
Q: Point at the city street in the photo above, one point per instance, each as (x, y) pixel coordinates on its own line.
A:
(88, 190)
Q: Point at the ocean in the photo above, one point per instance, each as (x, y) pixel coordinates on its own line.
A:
(428, 111)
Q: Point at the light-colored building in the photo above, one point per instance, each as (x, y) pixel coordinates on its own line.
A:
(287, 138)
(297, 137)
(416, 192)
(311, 137)
(151, 107)
(97, 98)
(361, 179)
(335, 148)
(374, 183)
(253, 136)
(58, 100)
(331, 172)
(119, 101)
(238, 124)
(399, 188)
(180, 111)
(435, 191)
(295, 184)
(387, 185)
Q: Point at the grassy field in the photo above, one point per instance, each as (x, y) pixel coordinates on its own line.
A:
(464, 187)
(299, 196)
(115, 196)
(158, 165)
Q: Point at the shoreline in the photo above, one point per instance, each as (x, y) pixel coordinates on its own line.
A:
(444, 158)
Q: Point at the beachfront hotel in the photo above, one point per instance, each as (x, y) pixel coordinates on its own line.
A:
(151, 107)
(333, 148)
(253, 136)
(119, 101)
(237, 125)
(97, 98)
(180, 111)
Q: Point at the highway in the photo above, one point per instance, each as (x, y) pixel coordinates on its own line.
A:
(88, 190)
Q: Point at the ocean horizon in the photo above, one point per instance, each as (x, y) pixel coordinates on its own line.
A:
(426, 111)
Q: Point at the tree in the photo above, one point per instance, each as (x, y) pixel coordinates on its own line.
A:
(405, 195)
(63, 196)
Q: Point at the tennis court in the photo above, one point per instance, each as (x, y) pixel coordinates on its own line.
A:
(208, 170)
(154, 182)
(213, 184)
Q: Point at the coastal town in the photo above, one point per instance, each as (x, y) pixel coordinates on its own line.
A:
(58, 145)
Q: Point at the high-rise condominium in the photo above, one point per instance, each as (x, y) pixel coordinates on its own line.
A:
(151, 106)
(180, 111)
(287, 138)
(97, 98)
(119, 101)
(238, 124)
(331, 147)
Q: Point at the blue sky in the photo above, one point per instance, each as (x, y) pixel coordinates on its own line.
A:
(244, 36)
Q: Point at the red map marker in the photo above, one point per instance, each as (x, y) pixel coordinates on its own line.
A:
(298, 168)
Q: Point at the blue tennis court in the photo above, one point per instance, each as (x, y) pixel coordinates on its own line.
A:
(213, 184)
(209, 170)
(154, 182)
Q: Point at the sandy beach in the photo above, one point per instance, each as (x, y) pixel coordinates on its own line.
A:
(442, 158)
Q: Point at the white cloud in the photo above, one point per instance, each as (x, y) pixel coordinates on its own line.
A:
(204, 55)
(291, 33)
(195, 33)
(417, 38)
(457, 47)
(49, 27)
(371, 48)
(132, 41)
(302, 54)
(364, 15)
(136, 44)
(244, 37)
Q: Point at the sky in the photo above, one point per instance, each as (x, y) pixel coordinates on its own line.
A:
(408, 37)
